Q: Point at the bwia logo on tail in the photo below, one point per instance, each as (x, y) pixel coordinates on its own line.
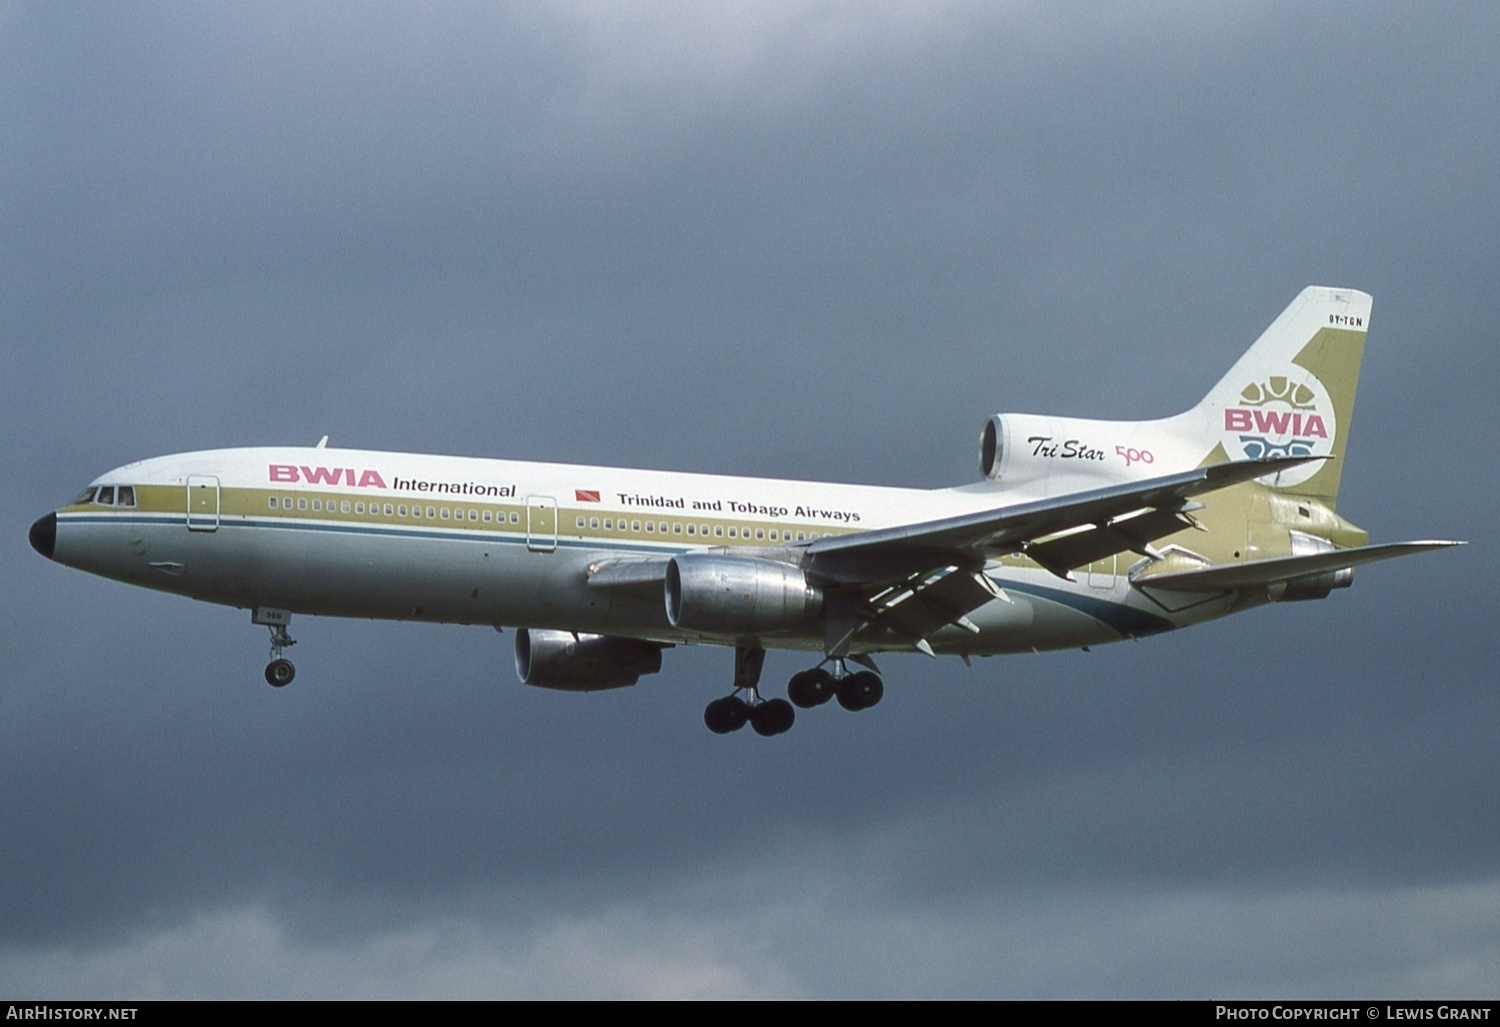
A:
(1282, 417)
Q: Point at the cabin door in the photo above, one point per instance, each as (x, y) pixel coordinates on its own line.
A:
(202, 503)
(541, 524)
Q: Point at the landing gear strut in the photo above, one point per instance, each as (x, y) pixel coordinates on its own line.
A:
(767, 716)
(279, 672)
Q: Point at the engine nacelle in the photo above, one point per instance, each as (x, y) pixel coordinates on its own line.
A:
(1057, 454)
(736, 595)
(582, 663)
(1314, 586)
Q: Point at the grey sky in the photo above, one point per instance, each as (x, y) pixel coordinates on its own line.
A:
(799, 240)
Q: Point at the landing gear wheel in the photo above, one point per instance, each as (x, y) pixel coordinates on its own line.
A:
(772, 717)
(727, 714)
(811, 688)
(279, 673)
(860, 691)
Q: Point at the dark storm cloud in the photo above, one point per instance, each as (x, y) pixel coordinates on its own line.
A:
(796, 241)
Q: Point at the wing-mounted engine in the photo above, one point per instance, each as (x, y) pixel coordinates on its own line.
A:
(736, 595)
(1060, 454)
(582, 663)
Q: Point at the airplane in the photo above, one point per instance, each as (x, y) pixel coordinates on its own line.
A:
(1080, 532)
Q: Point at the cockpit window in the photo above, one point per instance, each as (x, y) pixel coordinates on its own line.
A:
(125, 496)
(106, 495)
(86, 496)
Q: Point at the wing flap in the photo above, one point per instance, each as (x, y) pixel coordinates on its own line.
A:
(928, 602)
(1132, 534)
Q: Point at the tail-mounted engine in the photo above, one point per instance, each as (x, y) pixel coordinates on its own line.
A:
(1028, 449)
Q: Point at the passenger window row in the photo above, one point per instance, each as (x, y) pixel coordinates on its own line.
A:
(474, 515)
(761, 534)
(360, 509)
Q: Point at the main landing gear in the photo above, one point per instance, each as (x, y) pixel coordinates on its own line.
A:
(855, 691)
(744, 705)
(279, 672)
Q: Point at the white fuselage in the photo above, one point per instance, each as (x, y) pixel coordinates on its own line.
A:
(474, 541)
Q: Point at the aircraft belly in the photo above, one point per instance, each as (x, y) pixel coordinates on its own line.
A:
(464, 581)
(1044, 612)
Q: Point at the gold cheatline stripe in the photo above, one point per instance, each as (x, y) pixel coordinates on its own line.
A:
(255, 502)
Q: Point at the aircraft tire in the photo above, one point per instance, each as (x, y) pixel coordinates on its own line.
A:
(810, 688)
(860, 691)
(772, 717)
(725, 715)
(279, 673)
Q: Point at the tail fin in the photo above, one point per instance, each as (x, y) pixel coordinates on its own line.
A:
(1292, 393)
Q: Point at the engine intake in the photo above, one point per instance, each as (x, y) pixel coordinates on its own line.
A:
(992, 446)
(737, 595)
(582, 663)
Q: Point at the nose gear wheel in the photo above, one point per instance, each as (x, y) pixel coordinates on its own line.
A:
(279, 672)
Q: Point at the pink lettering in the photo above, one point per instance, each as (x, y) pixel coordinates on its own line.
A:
(1314, 427)
(1236, 420)
(327, 476)
(1274, 422)
(322, 475)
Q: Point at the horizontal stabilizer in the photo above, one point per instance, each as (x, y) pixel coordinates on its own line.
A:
(1225, 577)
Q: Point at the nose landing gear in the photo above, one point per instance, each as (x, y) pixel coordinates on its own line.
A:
(279, 672)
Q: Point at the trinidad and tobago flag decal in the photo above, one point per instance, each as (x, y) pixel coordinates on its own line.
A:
(586, 495)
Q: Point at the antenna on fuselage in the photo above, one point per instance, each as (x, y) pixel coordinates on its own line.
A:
(322, 443)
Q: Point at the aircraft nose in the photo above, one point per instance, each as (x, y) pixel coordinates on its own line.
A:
(44, 535)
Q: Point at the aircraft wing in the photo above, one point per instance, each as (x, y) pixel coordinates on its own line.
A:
(1059, 533)
(915, 579)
